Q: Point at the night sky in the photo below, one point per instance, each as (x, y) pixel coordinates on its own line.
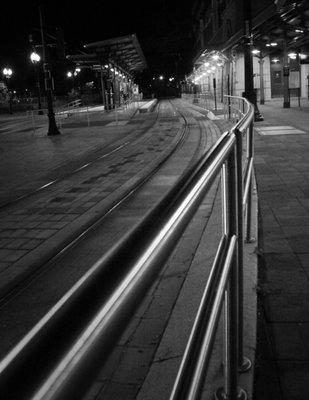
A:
(162, 28)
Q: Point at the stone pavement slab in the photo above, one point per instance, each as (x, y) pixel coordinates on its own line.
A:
(282, 172)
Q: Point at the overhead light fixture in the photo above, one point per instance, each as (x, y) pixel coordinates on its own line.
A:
(273, 44)
(215, 57)
(292, 56)
(206, 64)
(255, 51)
(275, 60)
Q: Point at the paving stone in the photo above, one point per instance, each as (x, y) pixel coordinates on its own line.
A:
(4, 266)
(148, 332)
(289, 343)
(117, 391)
(13, 255)
(289, 307)
(137, 362)
(294, 378)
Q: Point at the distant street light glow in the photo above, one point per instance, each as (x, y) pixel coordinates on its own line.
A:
(69, 74)
(161, 77)
(255, 51)
(7, 72)
(35, 57)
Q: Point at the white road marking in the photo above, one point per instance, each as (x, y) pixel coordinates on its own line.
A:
(279, 130)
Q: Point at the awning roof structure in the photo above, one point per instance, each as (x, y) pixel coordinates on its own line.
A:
(124, 52)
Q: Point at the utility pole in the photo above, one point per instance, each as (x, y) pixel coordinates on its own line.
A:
(248, 59)
(52, 127)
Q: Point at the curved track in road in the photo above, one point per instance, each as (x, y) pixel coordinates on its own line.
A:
(125, 204)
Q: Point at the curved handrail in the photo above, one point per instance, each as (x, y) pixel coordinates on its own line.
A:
(56, 359)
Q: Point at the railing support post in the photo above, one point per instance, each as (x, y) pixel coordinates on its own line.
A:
(249, 238)
(244, 364)
(230, 390)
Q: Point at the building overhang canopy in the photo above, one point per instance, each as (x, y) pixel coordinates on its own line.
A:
(122, 52)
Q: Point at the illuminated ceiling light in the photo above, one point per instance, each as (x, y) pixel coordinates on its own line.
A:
(69, 74)
(299, 31)
(213, 68)
(292, 56)
(273, 44)
(106, 66)
(209, 71)
(161, 77)
(255, 51)
(220, 64)
(267, 44)
(215, 57)
(303, 56)
(275, 60)
(112, 69)
(206, 64)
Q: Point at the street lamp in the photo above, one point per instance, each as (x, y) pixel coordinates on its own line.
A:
(35, 59)
(52, 126)
(71, 75)
(7, 72)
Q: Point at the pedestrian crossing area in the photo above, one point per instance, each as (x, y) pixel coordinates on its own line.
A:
(279, 130)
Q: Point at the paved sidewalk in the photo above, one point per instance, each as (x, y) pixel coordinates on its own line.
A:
(282, 172)
(34, 228)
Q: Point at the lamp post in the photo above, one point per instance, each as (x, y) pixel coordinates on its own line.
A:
(70, 75)
(52, 126)
(7, 72)
(35, 59)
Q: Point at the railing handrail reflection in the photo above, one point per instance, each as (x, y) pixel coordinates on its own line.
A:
(59, 356)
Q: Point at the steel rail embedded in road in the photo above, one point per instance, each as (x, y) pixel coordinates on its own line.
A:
(59, 356)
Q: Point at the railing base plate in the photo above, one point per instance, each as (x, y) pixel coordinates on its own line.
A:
(245, 365)
(221, 395)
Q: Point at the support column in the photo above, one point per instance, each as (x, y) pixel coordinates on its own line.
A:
(286, 77)
(262, 90)
(248, 60)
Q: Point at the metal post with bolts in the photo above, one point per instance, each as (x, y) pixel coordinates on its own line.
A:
(230, 389)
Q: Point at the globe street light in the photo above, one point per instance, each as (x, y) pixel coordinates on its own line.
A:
(7, 72)
(35, 59)
(71, 75)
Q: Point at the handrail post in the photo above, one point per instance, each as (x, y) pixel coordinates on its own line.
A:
(250, 150)
(244, 364)
(230, 389)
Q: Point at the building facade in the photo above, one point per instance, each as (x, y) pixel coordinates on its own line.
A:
(278, 32)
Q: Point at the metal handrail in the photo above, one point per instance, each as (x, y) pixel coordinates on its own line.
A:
(58, 357)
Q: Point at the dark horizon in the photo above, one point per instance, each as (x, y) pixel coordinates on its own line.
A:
(154, 22)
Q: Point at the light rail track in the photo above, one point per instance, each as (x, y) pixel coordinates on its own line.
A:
(41, 288)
